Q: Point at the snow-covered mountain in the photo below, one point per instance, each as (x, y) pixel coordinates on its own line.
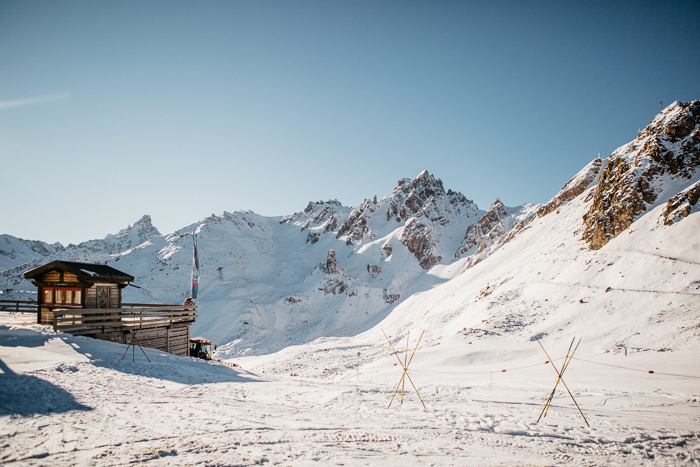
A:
(540, 276)
(17, 251)
(268, 282)
(18, 255)
(426, 256)
(613, 260)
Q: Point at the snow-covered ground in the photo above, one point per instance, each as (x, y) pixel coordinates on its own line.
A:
(73, 401)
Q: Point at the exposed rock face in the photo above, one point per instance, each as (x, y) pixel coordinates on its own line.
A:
(427, 211)
(681, 205)
(574, 187)
(426, 207)
(390, 296)
(419, 239)
(668, 147)
(336, 284)
(409, 196)
(385, 251)
(334, 287)
(480, 228)
(355, 228)
(318, 218)
(330, 266)
(374, 269)
(496, 228)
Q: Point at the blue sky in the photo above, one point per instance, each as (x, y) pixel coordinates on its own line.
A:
(112, 110)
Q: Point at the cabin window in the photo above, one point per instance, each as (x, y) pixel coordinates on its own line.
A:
(55, 296)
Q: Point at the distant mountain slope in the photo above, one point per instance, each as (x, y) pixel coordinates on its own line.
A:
(268, 282)
(19, 255)
(426, 256)
(17, 251)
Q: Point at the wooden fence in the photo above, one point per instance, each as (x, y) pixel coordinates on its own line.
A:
(163, 327)
(85, 321)
(19, 305)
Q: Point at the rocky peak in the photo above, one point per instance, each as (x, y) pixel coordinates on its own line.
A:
(130, 237)
(314, 213)
(479, 229)
(427, 210)
(409, 196)
(143, 228)
(323, 204)
(669, 147)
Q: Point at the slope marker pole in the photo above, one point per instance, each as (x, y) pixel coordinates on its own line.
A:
(560, 377)
(404, 365)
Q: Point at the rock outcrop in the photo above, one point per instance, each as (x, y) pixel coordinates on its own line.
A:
(667, 149)
(496, 228)
(682, 205)
(574, 187)
(356, 228)
(334, 283)
(482, 227)
(318, 218)
(427, 209)
(330, 266)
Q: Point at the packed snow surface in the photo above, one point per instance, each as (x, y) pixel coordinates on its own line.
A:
(87, 406)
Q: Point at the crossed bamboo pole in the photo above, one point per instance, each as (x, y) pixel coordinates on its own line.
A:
(560, 377)
(405, 365)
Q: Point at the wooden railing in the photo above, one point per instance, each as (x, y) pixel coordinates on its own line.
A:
(19, 305)
(89, 321)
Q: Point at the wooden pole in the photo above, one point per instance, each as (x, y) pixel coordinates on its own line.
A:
(560, 377)
(405, 365)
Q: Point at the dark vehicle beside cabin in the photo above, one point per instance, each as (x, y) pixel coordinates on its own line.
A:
(201, 348)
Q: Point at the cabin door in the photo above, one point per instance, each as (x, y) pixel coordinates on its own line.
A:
(102, 297)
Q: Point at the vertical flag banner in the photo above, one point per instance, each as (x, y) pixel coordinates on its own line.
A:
(195, 267)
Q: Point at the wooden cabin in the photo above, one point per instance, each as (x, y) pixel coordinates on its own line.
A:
(86, 299)
(67, 284)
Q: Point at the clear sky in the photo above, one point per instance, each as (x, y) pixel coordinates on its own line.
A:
(113, 110)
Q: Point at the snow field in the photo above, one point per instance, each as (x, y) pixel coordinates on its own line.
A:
(108, 411)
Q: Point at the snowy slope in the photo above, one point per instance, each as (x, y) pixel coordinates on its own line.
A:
(18, 255)
(640, 291)
(17, 251)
